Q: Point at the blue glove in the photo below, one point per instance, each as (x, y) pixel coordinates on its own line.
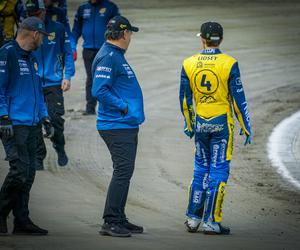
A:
(187, 132)
(248, 137)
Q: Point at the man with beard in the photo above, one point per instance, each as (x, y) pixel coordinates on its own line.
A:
(22, 108)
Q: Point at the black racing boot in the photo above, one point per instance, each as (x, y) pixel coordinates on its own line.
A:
(114, 230)
(133, 228)
(3, 225)
(28, 228)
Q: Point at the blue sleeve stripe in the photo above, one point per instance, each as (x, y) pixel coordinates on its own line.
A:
(186, 100)
(239, 100)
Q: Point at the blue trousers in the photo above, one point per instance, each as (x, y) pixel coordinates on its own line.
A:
(213, 139)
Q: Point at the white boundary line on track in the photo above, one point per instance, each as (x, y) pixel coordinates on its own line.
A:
(275, 145)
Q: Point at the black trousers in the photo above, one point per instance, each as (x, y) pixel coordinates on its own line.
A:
(88, 58)
(20, 151)
(122, 145)
(55, 103)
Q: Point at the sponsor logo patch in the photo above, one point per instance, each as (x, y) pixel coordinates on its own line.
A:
(52, 36)
(103, 69)
(35, 65)
(238, 81)
(103, 76)
(3, 63)
(102, 11)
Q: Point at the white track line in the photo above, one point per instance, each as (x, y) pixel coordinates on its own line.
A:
(280, 146)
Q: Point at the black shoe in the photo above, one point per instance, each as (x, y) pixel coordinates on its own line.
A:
(3, 226)
(29, 229)
(133, 228)
(89, 112)
(114, 230)
(62, 158)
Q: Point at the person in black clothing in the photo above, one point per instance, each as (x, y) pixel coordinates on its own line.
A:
(118, 121)
(22, 109)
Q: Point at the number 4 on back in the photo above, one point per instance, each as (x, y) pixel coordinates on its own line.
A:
(206, 84)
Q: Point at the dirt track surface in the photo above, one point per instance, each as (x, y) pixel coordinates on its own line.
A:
(262, 210)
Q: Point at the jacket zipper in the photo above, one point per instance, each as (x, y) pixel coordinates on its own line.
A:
(42, 51)
(33, 82)
(94, 17)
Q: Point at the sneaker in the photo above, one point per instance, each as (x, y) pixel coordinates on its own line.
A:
(214, 228)
(133, 228)
(62, 158)
(3, 225)
(114, 230)
(192, 224)
(28, 229)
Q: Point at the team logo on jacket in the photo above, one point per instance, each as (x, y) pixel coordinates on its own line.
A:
(35, 65)
(102, 11)
(207, 99)
(54, 18)
(199, 65)
(52, 36)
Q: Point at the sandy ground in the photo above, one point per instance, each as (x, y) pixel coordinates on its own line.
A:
(262, 210)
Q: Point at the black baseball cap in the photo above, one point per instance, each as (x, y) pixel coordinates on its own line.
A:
(34, 24)
(120, 23)
(212, 31)
(34, 5)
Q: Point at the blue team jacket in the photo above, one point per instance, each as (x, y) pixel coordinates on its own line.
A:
(90, 22)
(21, 95)
(59, 14)
(55, 59)
(116, 87)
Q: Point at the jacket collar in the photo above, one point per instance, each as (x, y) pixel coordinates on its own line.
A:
(211, 51)
(20, 50)
(115, 47)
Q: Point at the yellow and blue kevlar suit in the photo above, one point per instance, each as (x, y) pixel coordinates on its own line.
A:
(212, 79)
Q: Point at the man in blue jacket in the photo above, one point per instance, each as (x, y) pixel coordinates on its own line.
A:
(57, 11)
(120, 113)
(90, 23)
(56, 67)
(22, 108)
